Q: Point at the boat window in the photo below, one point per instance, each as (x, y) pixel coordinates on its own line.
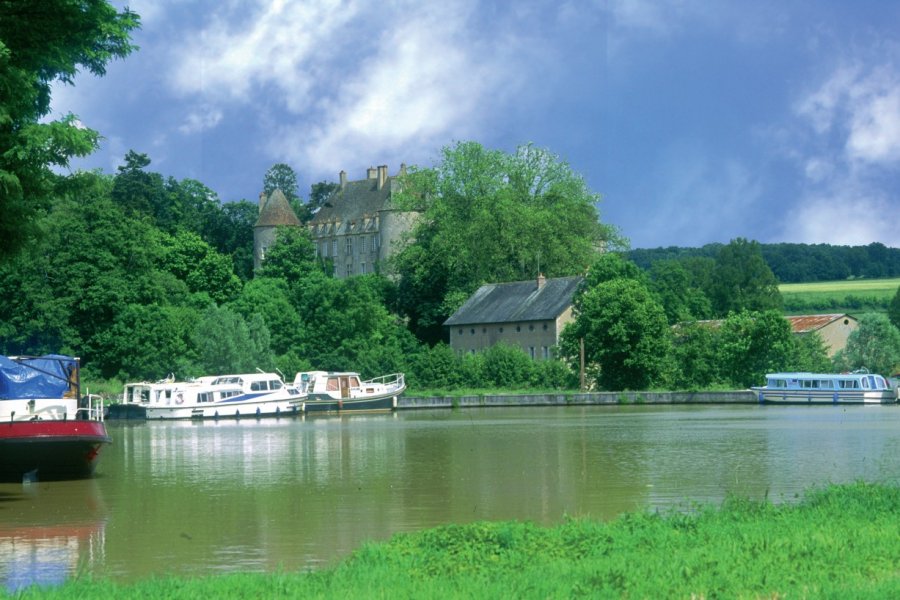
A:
(825, 384)
(275, 384)
(354, 381)
(779, 383)
(332, 385)
(865, 383)
(203, 397)
(229, 394)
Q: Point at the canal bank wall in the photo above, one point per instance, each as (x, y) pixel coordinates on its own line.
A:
(577, 399)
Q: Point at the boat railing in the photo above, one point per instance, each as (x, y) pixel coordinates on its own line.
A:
(92, 410)
(392, 381)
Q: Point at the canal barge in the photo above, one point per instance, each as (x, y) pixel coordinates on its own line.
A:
(826, 388)
(329, 391)
(233, 396)
(48, 431)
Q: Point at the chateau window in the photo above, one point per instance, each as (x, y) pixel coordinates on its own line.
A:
(545, 351)
(363, 244)
(531, 352)
(334, 247)
(325, 249)
(348, 250)
(262, 252)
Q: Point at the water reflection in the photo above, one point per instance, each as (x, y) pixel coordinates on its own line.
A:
(199, 497)
(49, 531)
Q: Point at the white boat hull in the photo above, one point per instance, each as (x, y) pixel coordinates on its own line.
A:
(825, 396)
(225, 410)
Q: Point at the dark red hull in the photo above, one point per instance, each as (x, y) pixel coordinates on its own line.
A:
(51, 450)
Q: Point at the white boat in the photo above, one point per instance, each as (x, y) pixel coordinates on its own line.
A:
(859, 387)
(232, 396)
(328, 391)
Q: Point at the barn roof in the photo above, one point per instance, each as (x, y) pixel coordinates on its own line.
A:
(534, 300)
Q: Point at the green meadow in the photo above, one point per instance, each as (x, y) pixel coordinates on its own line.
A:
(856, 295)
(835, 542)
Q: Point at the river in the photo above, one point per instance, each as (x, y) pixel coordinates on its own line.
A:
(195, 498)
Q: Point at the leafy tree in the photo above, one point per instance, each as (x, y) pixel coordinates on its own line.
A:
(680, 297)
(281, 177)
(753, 344)
(147, 342)
(874, 345)
(270, 299)
(435, 368)
(195, 262)
(696, 356)
(292, 257)
(320, 193)
(626, 338)
(41, 43)
(507, 366)
(230, 231)
(742, 280)
(139, 192)
(490, 216)
(894, 309)
(226, 343)
(811, 355)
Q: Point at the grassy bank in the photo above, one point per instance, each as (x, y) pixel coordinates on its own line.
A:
(867, 295)
(840, 542)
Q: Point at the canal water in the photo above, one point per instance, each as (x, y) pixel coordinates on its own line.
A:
(197, 498)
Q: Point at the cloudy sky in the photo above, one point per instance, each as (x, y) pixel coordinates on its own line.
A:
(697, 121)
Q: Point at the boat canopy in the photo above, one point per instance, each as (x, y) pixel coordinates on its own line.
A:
(29, 377)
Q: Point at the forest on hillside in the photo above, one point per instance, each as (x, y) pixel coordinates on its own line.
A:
(798, 263)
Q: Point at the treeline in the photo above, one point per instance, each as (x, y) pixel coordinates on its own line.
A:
(798, 263)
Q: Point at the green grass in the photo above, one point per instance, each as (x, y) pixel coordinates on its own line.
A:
(839, 296)
(839, 542)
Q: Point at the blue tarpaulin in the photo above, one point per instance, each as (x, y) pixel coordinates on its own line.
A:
(48, 376)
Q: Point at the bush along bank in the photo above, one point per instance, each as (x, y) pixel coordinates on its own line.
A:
(837, 542)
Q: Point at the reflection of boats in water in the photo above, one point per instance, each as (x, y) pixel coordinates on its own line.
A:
(47, 430)
(324, 391)
(48, 531)
(859, 387)
(245, 395)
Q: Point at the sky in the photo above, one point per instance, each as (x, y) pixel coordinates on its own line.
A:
(696, 121)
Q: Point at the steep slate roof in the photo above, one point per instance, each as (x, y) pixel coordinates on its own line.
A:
(277, 211)
(517, 301)
(357, 199)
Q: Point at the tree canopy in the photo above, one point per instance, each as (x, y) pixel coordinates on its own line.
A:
(40, 43)
(489, 216)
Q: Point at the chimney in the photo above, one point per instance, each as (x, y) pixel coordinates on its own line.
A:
(370, 173)
(343, 178)
(402, 169)
(382, 176)
(262, 201)
(541, 280)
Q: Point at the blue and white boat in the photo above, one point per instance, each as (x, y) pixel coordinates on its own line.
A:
(225, 396)
(859, 387)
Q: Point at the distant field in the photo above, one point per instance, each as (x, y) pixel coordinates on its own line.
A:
(842, 296)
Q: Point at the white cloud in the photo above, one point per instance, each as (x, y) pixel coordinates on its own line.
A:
(201, 119)
(843, 215)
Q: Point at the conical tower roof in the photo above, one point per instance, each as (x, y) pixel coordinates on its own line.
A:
(277, 211)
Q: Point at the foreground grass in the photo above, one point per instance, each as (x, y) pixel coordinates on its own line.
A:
(840, 542)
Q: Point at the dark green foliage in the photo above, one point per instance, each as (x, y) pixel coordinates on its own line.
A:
(695, 355)
(195, 262)
(227, 343)
(626, 337)
(292, 257)
(270, 298)
(798, 263)
(682, 298)
(753, 344)
(281, 177)
(40, 43)
(742, 280)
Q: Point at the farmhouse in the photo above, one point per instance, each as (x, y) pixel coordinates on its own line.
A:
(528, 314)
(834, 329)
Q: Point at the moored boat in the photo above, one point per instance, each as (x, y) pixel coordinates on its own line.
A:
(47, 430)
(859, 387)
(326, 391)
(233, 396)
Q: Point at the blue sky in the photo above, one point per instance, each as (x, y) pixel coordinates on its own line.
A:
(697, 121)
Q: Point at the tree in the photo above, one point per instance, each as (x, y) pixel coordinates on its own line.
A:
(226, 343)
(488, 216)
(695, 353)
(874, 345)
(270, 298)
(753, 344)
(894, 309)
(40, 43)
(742, 280)
(680, 297)
(292, 257)
(282, 177)
(196, 263)
(626, 338)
